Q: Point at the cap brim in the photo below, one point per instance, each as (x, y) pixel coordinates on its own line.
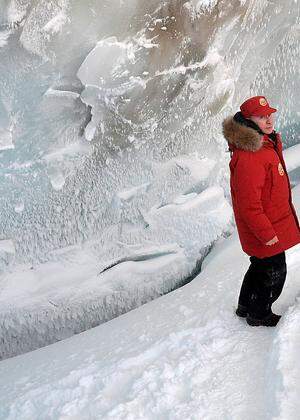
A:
(264, 112)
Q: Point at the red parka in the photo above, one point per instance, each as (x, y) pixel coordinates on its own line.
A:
(260, 191)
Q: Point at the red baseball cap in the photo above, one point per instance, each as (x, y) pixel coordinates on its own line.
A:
(258, 106)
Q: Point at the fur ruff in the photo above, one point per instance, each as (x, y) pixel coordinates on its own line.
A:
(241, 136)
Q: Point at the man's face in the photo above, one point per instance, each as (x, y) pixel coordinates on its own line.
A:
(266, 123)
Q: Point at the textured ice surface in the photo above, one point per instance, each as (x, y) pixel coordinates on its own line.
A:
(98, 97)
(52, 301)
(110, 123)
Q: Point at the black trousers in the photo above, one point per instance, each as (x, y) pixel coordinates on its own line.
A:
(263, 284)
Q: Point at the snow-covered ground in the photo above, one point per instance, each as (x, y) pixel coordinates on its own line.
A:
(182, 356)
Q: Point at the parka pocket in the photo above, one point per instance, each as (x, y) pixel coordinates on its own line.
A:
(279, 184)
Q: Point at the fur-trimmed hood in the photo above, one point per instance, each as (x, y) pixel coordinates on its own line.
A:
(240, 136)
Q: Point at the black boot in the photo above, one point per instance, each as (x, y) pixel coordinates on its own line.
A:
(270, 320)
(241, 311)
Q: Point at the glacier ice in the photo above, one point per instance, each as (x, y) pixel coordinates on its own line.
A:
(110, 116)
(122, 87)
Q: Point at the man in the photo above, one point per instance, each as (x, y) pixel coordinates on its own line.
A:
(266, 219)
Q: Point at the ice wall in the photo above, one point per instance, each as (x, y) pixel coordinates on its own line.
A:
(101, 98)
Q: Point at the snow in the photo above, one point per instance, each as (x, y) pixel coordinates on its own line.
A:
(286, 346)
(56, 24)
(64, 152)
(296, 191)
(57, 179)
(198, 167)
(7, 245)
(292, 157)
(100, 63)
(6, 141)
(19, 207)
(4, 35)
(17, 11)
(184, 355)
(130, 193)
(207, 201)
(200, 5)
(41, 307)
(114, 187)
(82, 288)
(145, 96)
(61, 94)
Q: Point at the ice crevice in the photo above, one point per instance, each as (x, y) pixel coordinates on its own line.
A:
(53, 301)
(119, 287)
(180, 356)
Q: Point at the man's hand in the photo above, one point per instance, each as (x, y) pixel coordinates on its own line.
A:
(273, 241)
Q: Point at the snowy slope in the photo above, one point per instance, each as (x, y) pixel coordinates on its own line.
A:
(182, 356)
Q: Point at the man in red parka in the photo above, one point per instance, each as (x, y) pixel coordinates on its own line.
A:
(266, 219)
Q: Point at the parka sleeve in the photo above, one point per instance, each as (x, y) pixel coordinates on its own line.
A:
(249, 179)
